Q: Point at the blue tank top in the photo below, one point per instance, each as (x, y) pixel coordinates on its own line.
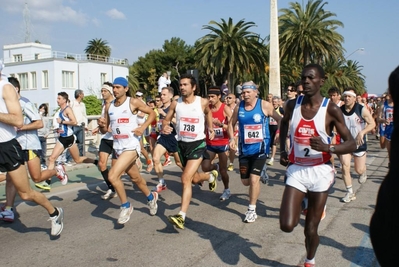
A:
(64, 130)
(254, 135)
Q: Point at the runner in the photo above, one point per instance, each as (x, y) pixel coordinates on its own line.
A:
(121, 117)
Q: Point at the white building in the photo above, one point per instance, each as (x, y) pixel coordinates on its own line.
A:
(43, 73)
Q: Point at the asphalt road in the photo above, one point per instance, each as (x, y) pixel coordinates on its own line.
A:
(215, 234)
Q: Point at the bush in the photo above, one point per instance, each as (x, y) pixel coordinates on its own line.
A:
(93, 105)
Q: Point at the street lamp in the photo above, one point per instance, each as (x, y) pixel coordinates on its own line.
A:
(359, 49)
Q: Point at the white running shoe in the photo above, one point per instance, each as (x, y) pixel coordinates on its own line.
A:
(264, 178)
(348, 197)
(250, 216)
(124, 215)
(7, 215)
(61, 174)
(363, 178)
(109, 194)
(57, 223)
(226, 195)
(152, 205)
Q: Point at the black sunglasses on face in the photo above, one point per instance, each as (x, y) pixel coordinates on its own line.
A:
(291, 90)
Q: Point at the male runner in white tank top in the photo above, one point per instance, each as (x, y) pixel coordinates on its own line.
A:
(120, 115)
(311, 119)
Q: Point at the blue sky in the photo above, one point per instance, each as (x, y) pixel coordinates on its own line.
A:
(134, 27)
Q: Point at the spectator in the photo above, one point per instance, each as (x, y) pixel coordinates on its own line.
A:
(43, 134)
(163, 81)
(238, 89)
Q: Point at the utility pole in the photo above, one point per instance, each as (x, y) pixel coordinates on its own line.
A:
(274, 53)
(26, 15)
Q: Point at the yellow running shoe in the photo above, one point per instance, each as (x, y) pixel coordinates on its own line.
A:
(213, 185)
(231, 167)
(177, 220)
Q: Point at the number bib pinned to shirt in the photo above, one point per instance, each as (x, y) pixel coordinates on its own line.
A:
(188, 126)
(253, 133)
(304, 154)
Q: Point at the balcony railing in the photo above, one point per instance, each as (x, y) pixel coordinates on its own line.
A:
(68, 56)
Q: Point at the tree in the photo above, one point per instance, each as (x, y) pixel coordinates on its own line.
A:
(230, 50)
(93, 105)
(309, 34)
(98, 49)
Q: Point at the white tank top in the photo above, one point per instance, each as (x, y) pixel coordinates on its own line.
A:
(301, 130)
(107, 135)
(123, 122)
(190, 121)
(7, 132)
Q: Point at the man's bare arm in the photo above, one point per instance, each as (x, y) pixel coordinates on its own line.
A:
(14, 116)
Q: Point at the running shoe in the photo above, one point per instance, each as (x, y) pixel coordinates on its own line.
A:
(150, 165)
(348, 197)
(167, 162)
(308, 264)
(231, 167)
(270, 162)
(250, 216)
(159, 187)
(363, 178)
(226, 195)
(57, 223)
(213, 185)
(177, 220)
(109, 194)
(7, 215)
(44, 186)
(152, 204)
(124, 215)
(61, 174)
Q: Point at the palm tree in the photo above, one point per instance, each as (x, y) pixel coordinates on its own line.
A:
(230, 50)
(98, 49)
(309, 34)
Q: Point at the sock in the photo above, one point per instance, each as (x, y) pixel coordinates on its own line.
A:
(252, 207)
(95, 162)
(211, 178)
(55, 213)
(183, 214)
(150, 197)
(350, 189)
(162, 180)
(312, 261)
(8, 208)
(126, 205)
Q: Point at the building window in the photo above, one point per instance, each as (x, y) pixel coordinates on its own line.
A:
(34, 79)
(67, 79)
(103, 78)
(23, 80)
(45, 79)
(36, 56)
(18, 58)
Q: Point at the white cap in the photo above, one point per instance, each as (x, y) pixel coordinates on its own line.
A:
(139, 94)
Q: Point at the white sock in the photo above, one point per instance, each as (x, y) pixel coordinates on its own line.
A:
(252, 207)
(312, 261)
(211, 178)
(183, 214)
(350, 189)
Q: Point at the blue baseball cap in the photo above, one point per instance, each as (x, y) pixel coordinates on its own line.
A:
(121, 81)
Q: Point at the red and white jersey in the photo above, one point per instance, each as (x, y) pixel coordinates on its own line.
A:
(301, 130)
(221, 137)
(123, 122)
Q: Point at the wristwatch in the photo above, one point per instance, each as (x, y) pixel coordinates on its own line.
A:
(331, 148)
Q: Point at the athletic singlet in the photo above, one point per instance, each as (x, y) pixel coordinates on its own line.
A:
(161, 118)
(7, 132)
(355, 123)
(64, 130)
(280, 112)
(254, 132)
(190, 121)
(123, 122)
(301, 130)
(221, 137)
(29, 139)
(107, 135)
(387, 113)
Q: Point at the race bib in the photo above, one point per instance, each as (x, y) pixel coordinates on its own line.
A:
(304, 154)
(253, 133)
(188, 126)
(218, 133)
(120, 132)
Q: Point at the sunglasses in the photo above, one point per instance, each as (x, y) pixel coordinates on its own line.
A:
(292, 90)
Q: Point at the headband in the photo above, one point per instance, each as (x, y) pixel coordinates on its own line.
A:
(349, 93)
(107, 87)
(213, 91)
(249, 87)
